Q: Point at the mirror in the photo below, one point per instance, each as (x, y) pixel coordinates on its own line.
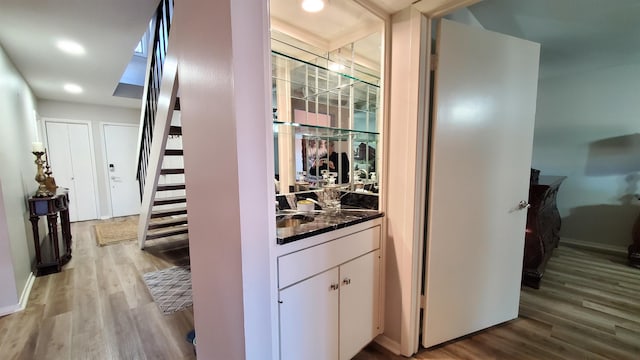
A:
(326, 103)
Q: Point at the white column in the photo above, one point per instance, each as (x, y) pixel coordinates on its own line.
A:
(405, 184)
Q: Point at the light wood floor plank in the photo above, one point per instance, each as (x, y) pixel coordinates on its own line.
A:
(587, 307)
(128, 342)
(54, 338)
(21, 340)
(60, 296)
(88, 340)
(99, 308)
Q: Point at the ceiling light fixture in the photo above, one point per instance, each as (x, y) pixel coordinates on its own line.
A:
(70, 47)
(312, 6)
(334, 66)
(73, 88)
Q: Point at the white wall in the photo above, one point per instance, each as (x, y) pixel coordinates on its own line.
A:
(464, 16)
(96, 114)
(588, 128)
(17, 170)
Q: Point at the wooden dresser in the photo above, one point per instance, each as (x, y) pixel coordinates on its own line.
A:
(543, 228)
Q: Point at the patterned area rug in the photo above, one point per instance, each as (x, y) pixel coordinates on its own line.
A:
(170, 288)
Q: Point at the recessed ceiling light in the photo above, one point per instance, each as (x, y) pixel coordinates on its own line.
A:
(73, 88)
(312, 5)
(334, 66)
(70, 47)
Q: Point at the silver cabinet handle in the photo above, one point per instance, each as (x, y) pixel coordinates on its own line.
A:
(346, 281)
(523, 204)
(334, 287)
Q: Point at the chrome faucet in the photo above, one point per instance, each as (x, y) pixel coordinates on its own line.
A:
(357, 173)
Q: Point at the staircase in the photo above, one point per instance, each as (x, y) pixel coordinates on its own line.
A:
(163, 213)
(168, 215)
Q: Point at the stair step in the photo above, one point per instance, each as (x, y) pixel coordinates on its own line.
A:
(168, 222)
(171, 171)
(175, 130)
(169, 187)
(168, 212)
(175, 239)
(167, 232)
(173, 152)
(170, 200)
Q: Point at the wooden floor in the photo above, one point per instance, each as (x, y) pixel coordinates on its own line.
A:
(98, 307)
(588, 307)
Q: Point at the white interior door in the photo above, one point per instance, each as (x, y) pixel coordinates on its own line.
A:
(482, 135)
(121, 144)
(70, 157)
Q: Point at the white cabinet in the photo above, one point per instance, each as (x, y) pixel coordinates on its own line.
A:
(359, 299)
(329, 298)
(309, 318)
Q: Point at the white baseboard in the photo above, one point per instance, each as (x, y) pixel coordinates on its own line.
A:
(24, 298)
(388, 344)
(9, 310)
(587, 245)
(105, 217)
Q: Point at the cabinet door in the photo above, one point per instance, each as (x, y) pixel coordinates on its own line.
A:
(359, 303)
(309, 318)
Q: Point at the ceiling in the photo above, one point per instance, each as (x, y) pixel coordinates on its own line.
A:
(109, 30)
(593, 32)
(576, 35)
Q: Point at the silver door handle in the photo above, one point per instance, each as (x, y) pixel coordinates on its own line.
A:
(524, 204)
(115, 178)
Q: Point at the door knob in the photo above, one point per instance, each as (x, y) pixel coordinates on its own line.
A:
(524, 204)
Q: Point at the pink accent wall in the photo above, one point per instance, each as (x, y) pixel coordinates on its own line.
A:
(224, 76)
(309, 118)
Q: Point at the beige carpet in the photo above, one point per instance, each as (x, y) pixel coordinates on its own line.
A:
(116, 230)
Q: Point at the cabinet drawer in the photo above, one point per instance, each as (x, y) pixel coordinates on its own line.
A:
(308, 262)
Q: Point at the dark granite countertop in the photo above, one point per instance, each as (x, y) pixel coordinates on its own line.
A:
(318, 222)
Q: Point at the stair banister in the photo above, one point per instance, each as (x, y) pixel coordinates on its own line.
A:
(166, 103)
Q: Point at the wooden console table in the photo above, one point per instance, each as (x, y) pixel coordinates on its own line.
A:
(543, 228)
(48, 256)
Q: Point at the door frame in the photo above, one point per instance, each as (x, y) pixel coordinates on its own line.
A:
(92, 152)
(105, 162)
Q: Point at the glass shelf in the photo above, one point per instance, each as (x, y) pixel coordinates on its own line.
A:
(346, 98)
(327, 132)
(323, 103)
